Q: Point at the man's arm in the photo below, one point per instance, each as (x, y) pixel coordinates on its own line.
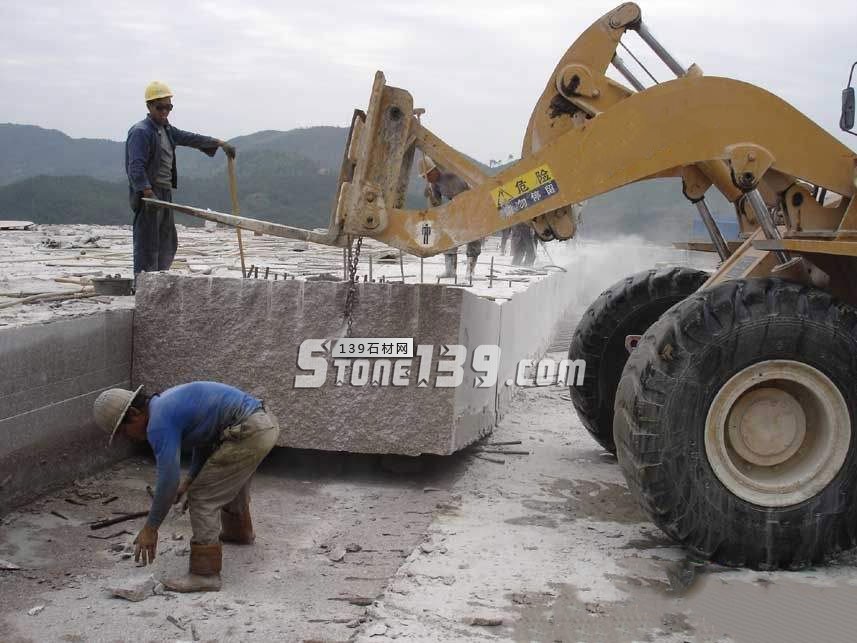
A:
(138, 154)
(205, 144)
(167, 448)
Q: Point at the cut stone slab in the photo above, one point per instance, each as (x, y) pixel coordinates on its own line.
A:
(247, 333)
(51, 374)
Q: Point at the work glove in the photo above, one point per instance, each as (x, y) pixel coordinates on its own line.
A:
(228, 149)
(145, 544)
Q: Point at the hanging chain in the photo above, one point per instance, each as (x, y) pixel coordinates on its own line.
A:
(351, 263)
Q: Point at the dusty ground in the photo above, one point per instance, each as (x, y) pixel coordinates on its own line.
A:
(32, 260)
(547, 546)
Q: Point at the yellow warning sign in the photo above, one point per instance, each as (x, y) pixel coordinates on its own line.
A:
(525, 190)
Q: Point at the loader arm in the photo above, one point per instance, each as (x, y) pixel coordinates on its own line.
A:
(588, 135)
(691, 121)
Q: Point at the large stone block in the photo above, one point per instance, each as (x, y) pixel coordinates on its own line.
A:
(247, 333)
(528, 323)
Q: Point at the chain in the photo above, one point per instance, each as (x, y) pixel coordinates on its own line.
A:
(351, 296)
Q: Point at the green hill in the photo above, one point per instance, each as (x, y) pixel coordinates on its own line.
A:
(30, 151)
(65, 199)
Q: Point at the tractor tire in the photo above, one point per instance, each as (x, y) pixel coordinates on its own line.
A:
(628, 307)
(734, 424)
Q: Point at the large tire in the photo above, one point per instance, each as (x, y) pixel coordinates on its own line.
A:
(688, 405)
(628, 307)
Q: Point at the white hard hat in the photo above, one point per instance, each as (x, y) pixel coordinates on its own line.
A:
(110, 408)
(426, 165)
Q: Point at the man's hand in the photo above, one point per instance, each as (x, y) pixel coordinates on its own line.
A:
(228, 149)
(148, 193)
(146, 543)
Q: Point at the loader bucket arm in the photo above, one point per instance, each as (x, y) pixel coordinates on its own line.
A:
(682, 123)
(587, 135)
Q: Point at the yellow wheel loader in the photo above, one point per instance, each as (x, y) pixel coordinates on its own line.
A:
(730, 399)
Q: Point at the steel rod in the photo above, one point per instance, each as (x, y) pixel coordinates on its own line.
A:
(660, 51)
(640, 63)
(766, 221)
(713, 231)
(620, 66)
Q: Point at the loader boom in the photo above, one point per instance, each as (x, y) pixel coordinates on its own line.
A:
(588, 135)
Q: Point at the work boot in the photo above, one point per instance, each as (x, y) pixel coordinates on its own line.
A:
(236, 528)
(204, 570)
(451, 265)
(471, 267)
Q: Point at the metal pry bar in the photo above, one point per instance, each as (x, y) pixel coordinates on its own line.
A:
(328, 238)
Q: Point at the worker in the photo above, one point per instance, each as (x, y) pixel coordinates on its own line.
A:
(523, 245)
(230, 434)
(150, 163)
(447, 185)
(504, 239)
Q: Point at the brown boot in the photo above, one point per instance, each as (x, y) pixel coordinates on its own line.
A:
(204, 570)
(237, 528)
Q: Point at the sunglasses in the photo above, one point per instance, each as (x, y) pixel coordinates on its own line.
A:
(164, 107)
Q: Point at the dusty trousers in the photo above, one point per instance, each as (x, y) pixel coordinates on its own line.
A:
(224, 481)
(155, 237)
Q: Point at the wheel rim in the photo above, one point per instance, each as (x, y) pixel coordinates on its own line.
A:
(777, 433)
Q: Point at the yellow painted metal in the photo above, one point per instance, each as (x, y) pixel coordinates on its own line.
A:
(816, 246)
(746, 261)
(645, 135)
(594, 135)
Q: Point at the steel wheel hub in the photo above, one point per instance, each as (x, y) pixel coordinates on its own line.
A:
(777, 433)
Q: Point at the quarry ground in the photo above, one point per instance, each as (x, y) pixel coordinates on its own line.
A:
(547, 546)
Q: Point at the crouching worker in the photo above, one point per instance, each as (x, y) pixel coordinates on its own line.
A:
(230, 434)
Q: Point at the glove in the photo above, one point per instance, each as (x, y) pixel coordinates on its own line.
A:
(228, 149)
(146, 543)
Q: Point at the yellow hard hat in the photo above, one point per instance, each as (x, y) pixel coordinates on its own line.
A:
(156, 89)
(110, 408)
(426, 165)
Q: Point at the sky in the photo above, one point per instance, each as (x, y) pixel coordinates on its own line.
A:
(476, 66)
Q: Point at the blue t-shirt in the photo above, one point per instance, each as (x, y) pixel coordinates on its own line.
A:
(190, 415)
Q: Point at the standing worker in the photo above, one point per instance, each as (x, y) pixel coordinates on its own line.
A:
(230, 434)
(447, 185)
(523, 245)
(150, 163)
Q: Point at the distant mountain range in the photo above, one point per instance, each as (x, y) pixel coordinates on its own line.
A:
(283, 176)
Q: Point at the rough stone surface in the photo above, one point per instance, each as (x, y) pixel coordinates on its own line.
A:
(135, 588)
(51, 374)
(247, 333)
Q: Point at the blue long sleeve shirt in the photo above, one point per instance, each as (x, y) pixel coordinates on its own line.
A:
(191, 415)
(143, 151)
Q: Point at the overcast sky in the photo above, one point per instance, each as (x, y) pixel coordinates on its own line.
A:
(476, 66)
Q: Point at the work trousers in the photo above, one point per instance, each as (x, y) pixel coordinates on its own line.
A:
(155, 238)
(224, 480)
(474, 249)
(523, 245)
